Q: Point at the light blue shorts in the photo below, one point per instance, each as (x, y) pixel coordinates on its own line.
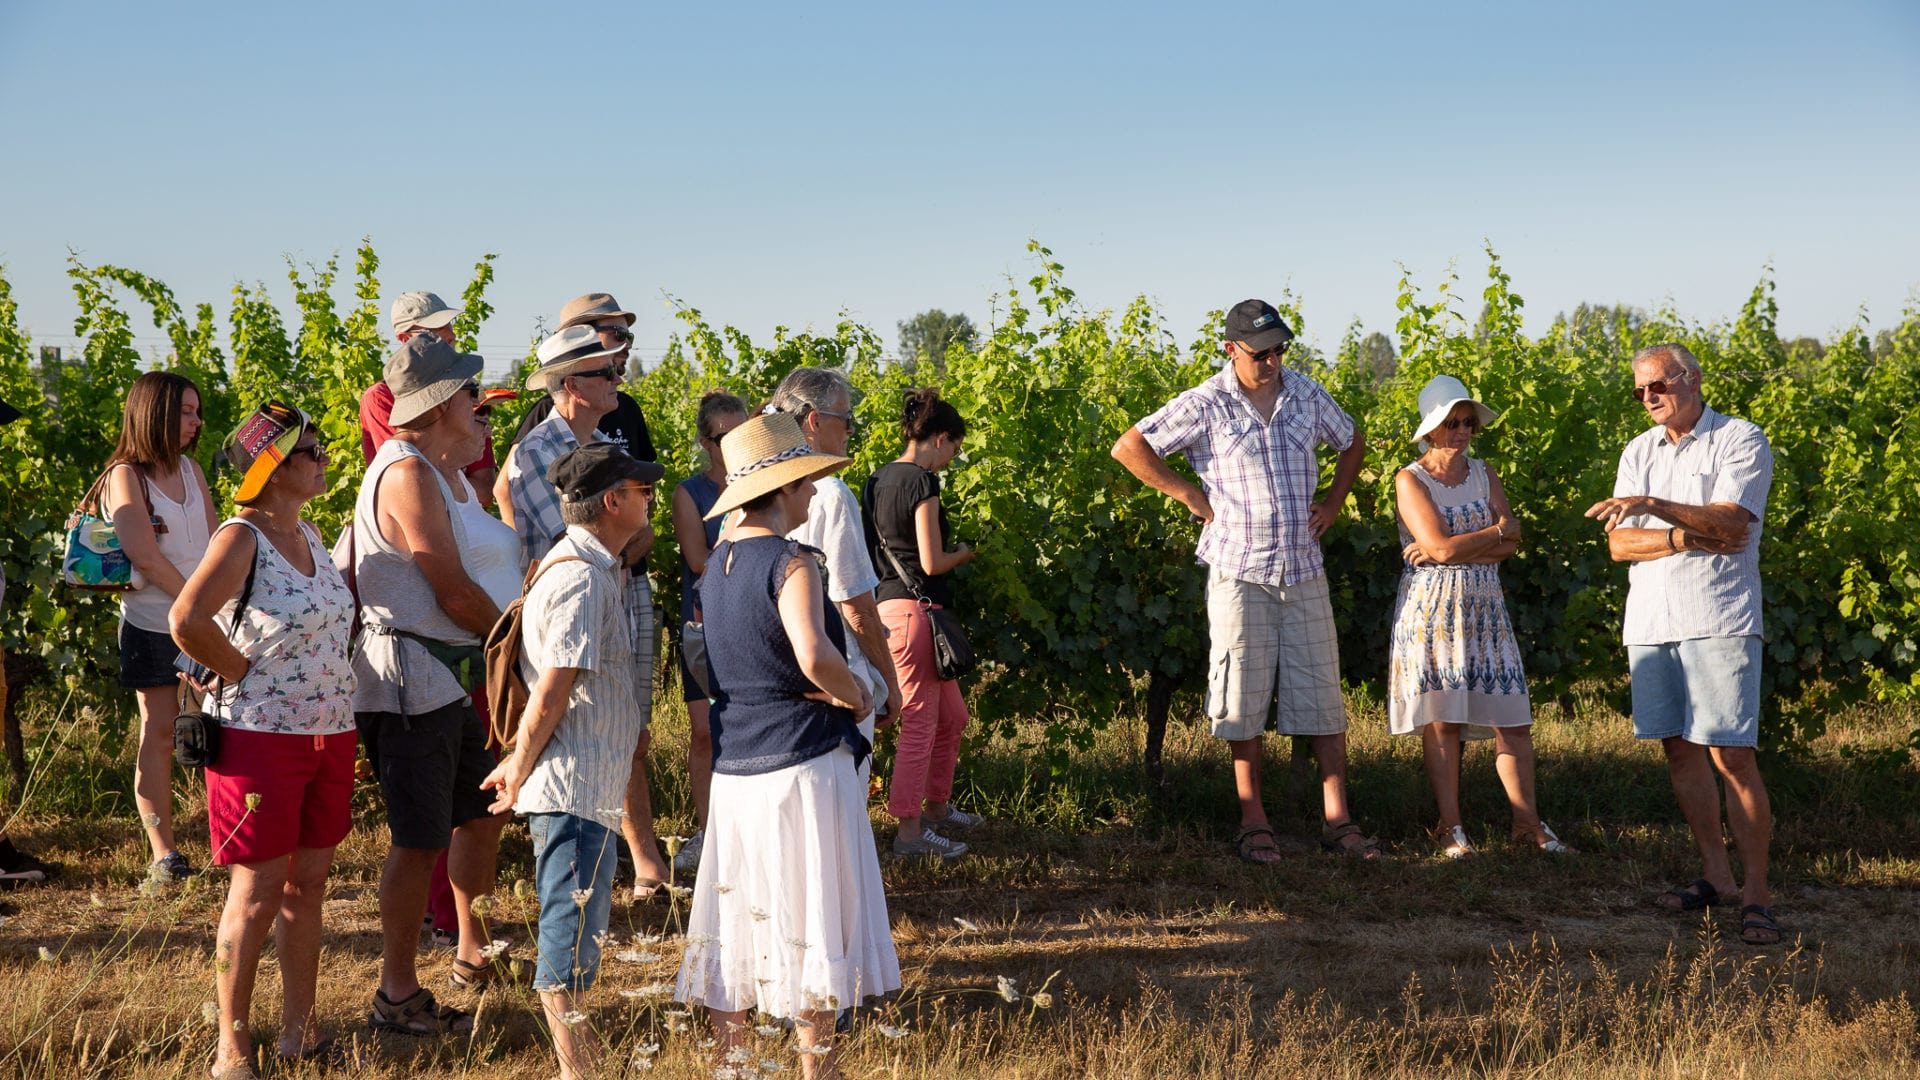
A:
(1704, 690)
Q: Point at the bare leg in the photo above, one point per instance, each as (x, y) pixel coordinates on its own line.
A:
(253, 898)
(637, 824)
(1750, 814)
(815, 1028)
(1513, 759)
(577, 1045)
(1441, 743)
(153, 765)
(1247, 754)
(403, 900)
(1693, 787)
(472, 866)
(699, 758)
(297, 945)
(1331, 750)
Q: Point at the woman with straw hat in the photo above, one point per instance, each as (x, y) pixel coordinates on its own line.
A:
(789, 915)
(1455, 668)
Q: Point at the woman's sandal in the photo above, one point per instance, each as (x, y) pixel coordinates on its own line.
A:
(1758, 926)
(417, 1014)
(1248, 846)
(1552, 845)
(1333, 837)
(1454, 843)
(650, 891)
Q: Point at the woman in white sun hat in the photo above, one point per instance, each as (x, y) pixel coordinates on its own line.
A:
(1455, 669)
(789, 913)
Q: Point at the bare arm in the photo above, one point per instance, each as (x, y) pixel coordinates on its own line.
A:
(1322, 515)
(934, 556)
(1151, 469)
(1725, 523)
(546, 704)
(1646, 545)
(862, 616)
(690, 532)
(503, 498)
(215, 581)
(1422, 519)
(127, 508)
(805, 622)
(413, 517)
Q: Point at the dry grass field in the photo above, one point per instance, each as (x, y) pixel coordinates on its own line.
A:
(1137, 945)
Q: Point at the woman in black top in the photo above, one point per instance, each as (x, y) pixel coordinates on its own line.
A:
(907, 530)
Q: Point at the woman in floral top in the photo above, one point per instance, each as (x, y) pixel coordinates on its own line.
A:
(278, 681)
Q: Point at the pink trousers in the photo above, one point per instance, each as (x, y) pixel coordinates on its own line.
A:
(932, 714)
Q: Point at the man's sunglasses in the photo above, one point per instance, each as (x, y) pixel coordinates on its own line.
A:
(1659, 387)
(1267, 356)
(610, 373)
(618, 333)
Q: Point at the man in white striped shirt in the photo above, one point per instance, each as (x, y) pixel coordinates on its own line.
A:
(569, 766)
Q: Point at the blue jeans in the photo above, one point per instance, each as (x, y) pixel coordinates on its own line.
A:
(570, 854)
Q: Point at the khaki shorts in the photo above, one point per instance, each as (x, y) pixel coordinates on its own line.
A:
(1272, 642)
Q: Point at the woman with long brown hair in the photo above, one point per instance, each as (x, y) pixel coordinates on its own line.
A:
(162, 512)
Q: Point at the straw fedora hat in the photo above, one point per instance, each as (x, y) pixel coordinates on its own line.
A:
(766, 454)
(591, 308)
(568, 352)
(1438, 398)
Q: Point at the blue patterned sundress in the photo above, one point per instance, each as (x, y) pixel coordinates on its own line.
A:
(1454, 658)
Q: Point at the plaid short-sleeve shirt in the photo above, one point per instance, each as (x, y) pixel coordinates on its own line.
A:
(536, 505)
(1259, 473)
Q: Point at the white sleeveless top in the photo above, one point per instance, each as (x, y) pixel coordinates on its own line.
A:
(294, 636)
(491, 552)
(184, 544)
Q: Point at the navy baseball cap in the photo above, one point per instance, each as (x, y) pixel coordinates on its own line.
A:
(1256, 325)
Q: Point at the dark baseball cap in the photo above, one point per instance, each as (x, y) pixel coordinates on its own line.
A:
(1256, 325)
(592, 471)
(8, 414)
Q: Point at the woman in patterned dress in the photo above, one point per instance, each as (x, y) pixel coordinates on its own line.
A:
(280, 788)
(1455, 670)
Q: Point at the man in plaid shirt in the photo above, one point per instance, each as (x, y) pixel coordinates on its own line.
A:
(1251, 434)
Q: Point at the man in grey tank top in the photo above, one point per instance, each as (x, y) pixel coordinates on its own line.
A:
(418, 659)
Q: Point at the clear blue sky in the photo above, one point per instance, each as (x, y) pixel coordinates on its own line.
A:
(776, 164)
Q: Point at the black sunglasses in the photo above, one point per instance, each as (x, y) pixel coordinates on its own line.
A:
(609, 373)
(317, 452)
(1267, 356)
(1659, 387)
(1471, 423)
(619, 333)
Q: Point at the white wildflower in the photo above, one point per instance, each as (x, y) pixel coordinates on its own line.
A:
(152, 821)
(677, 1024)
(574, 1018)
(642, 1064)
(679, 892)
(94, 900)
(1043, 1000)
(766, 1031)
(768, 1065)
(581, 896)
(1009, 989)
(603, 939)
(494, 949)
(46, 955)
(759, 914)
(210, 1011)
(892, 1032)
(817, 1049)
(739, 1055)
(646, 1050)
(708, 1044)
(726, 1072)
(647, 939)
(966, 924)
(636, 956)
(723, 889)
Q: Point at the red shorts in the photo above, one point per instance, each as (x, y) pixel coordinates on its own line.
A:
(305, 789)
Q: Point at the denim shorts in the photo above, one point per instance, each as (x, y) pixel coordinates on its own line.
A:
(570, 854)
(430, 766)
(1704, 690)
(147, 658)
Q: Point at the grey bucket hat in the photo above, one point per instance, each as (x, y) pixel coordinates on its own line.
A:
(424, 373)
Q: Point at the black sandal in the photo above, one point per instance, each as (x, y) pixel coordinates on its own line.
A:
(1696, 894)
(1756, 923)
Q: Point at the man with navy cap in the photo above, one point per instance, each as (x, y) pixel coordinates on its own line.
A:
(1251, 434)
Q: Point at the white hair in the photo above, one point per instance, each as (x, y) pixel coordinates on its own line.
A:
(1671, 351)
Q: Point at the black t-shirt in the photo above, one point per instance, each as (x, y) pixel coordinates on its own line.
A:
(893, 492)
(626, 425)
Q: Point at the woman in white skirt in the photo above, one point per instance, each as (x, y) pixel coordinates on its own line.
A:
(1455, 670)
(789, 915)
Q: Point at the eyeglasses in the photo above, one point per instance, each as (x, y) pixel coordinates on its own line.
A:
(645, 491)
(618, 333)
(1471, 423)
(1660, 387)
(844, 417)
(313, 450)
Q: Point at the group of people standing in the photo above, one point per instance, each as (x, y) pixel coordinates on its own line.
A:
(1686, 509)
(814, 605)
(305, 652)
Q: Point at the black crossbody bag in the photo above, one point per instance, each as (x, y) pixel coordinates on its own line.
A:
(196, 734)
(952, 652)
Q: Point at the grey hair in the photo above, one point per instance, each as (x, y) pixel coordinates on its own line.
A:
(583, 511)
(810, 388)
(1671, 350)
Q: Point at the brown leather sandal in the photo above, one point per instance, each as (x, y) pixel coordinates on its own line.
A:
(1332, 839)
(418, 1014)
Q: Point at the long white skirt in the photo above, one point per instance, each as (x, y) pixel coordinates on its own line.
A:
(789, 913)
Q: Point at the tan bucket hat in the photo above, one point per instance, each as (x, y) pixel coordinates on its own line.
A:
(771, 453)
(420, 311)
(424, 373)
(568, 352)
(591, 308)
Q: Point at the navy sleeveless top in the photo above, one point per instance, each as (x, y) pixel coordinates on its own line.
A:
(705, 492)
(759, 721)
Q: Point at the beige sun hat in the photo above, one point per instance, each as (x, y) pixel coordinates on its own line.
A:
(1438, 398)
(771, 453)
(420, 311)
(568, 352)
(424, 373)
(591, 308)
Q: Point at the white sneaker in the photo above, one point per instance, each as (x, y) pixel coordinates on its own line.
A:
(688, 860)
(930, 843)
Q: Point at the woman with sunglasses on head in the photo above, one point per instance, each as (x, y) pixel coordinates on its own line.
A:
(1455, 668)
(720, 412)
(268, 614)
(163, 514)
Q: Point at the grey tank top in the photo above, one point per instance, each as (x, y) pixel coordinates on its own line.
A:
(391, 673)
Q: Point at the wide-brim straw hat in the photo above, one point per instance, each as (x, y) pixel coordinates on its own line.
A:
(771, 453)
(1437, 400)
(569, 352)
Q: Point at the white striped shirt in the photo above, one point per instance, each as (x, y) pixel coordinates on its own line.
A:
(575, 617)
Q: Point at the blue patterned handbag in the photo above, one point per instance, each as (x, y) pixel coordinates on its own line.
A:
(93, 559)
